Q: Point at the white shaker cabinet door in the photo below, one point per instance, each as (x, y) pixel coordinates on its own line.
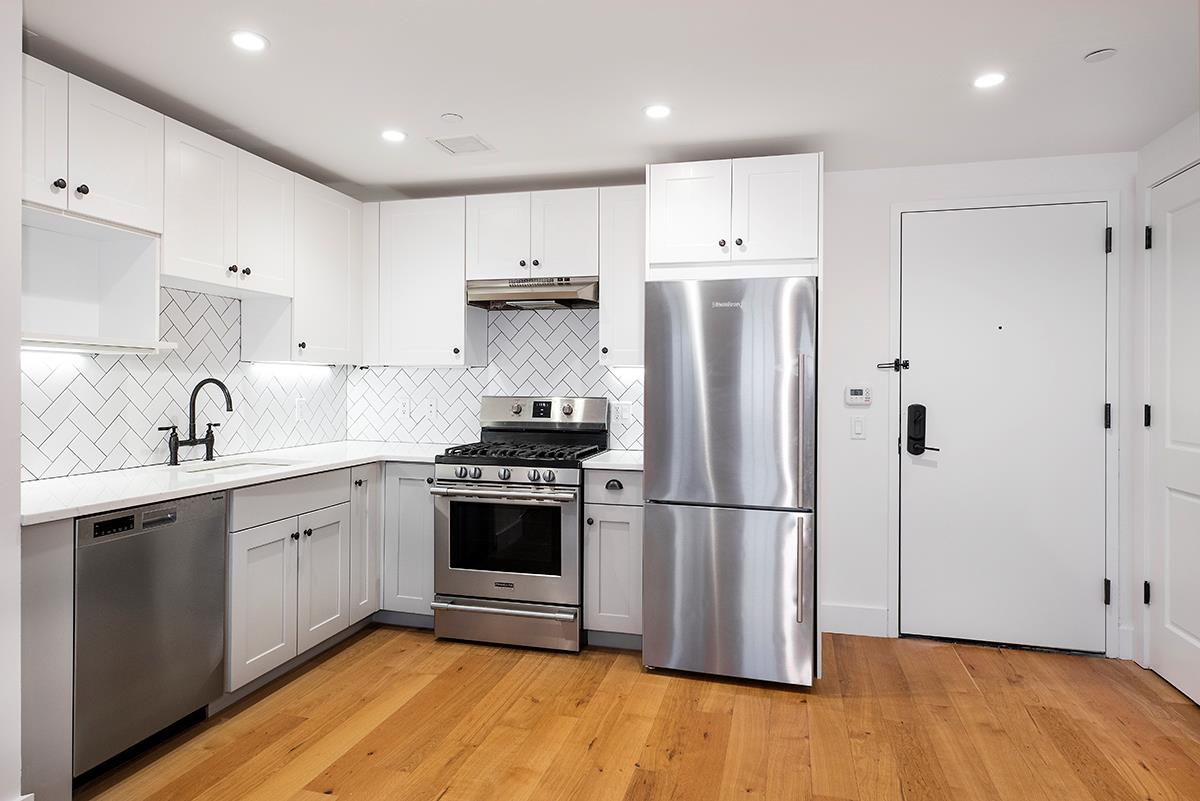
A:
(775, 207)
(44, 134)
(200, 214)
(262, 600)
(366, 539)
(622, 274)
(326, 324)
(689, 212)
(323, 586)
(564, 233)
(265, 225)
(612, 563)
(498, 236)
(115, 157)
(408, 539)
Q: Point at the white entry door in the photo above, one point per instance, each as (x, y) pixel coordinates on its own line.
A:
(1002, 518)
(1173, 479)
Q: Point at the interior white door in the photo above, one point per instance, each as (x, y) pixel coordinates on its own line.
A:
(408, 539)
(776, 207)
(328, 275)
(1003, 321)
(421, 271)
(200, 214)
(1173, 475)
(564, 233)
(366, 526)
(265, 224)
(498, 236)
(262, 600)
(115, 157)
(44, 133)
(622, 275)
(323, 586)
(690, 207)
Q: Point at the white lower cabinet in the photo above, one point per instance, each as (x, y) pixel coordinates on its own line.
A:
(408, 538)
(366, 524)
(612, 568)
(323, 588)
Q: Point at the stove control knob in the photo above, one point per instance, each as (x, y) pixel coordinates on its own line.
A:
(567, 409)
(460, 472)
(516, 408)
(548, 475)
(476, 472)
(504, 473)
(534, 475)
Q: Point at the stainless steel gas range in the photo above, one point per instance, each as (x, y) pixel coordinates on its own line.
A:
(508, 534)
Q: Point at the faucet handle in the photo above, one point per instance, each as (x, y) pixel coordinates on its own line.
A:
(211, 426)
(168, 428)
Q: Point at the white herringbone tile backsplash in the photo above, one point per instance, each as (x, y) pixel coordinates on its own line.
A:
(81, 414)
(529, 353)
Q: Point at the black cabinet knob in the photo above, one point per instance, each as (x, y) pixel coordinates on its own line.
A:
(429, 481)
(522, 262)
(245, 271)
(233, 268)
(358, 482)
(737, 241)
(82, 189)
(604, 350)
(308, 532)
(295, 535)
(456, 351)
(61, 183)
(302, 345)
(536, 262)
(590, 521)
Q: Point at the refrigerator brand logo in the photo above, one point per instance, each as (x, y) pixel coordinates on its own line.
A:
(727, 304)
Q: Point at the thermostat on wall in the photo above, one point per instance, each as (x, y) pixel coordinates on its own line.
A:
(858, 396)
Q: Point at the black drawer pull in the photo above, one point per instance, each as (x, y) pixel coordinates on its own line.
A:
(613, 484)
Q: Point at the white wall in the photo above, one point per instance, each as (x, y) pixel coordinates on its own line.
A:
(10, 333)
(856, 334)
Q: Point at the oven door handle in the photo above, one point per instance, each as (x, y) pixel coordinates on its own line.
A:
(495, 610)
(489, 495)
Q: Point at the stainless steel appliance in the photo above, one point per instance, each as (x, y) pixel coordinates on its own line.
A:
(508, 538)
(149, 621)
(729, 573)
(534, 293)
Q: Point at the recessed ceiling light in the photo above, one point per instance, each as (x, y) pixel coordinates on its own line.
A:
(392, 135)
(657, 111)
(1104, 54)
(988, 80)
(249, 40)
(450, 116)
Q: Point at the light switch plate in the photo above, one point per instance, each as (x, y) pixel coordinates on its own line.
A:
(301, 409)
(858, 427)
(622, 413)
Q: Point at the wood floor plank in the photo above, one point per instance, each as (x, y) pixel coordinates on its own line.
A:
(396, 714)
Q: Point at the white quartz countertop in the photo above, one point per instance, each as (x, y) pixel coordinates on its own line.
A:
(72, 496)
(614, 460)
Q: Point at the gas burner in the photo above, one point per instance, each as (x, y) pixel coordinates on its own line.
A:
(542, 451)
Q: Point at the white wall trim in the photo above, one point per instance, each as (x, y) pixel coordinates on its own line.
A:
(1113, 200)
(868, 621)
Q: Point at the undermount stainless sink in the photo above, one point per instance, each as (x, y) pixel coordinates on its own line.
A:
(245, 463)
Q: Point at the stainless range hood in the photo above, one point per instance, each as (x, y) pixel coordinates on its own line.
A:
(534, 293)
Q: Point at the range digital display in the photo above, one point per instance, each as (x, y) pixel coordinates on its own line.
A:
(541, 409)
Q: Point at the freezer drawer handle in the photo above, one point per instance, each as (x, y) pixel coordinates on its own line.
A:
(488, 610)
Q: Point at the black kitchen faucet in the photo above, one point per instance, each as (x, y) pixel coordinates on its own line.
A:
(173, 442)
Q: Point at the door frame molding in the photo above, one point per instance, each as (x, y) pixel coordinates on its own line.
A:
(1112, 387)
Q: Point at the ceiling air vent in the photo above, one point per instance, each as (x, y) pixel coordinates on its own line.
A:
(458, 145)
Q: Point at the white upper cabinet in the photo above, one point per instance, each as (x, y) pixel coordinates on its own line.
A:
(114, 157)
(44, 134)
(421, 273)
(328, 275)
(776, 207)
(265, 220)
(690, 211)
(622, 274)
(497, 236)
(200, 217)
(564, 233)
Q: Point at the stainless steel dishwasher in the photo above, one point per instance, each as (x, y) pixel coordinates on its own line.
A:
(149, 621)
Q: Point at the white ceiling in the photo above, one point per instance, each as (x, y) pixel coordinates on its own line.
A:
(557, 86)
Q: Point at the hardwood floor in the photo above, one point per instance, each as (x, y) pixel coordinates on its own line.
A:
(395, 714)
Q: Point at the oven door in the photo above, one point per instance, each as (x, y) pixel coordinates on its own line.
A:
(519, 545)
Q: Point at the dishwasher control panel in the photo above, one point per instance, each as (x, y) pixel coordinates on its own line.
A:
(115, 525)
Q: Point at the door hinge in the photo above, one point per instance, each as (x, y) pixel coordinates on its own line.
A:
(1107, 592)
(1146, 415)
(894, 364)
(1146, 593)
(1108, 415)
(1149, 238)
(1108, 239)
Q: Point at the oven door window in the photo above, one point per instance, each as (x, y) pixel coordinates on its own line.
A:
(503, 538)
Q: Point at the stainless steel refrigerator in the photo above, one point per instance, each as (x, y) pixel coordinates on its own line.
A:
(729, 575)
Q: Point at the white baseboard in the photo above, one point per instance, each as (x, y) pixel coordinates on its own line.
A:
(869, 621)
(1125, 641)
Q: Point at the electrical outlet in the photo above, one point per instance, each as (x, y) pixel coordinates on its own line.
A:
(301, 409)
(622, 413)
(430, 407)
(405, 405)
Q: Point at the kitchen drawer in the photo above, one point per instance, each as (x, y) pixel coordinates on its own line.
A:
(264, 503)
(627, 491)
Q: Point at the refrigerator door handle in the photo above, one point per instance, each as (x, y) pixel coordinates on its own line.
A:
(801, 500)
